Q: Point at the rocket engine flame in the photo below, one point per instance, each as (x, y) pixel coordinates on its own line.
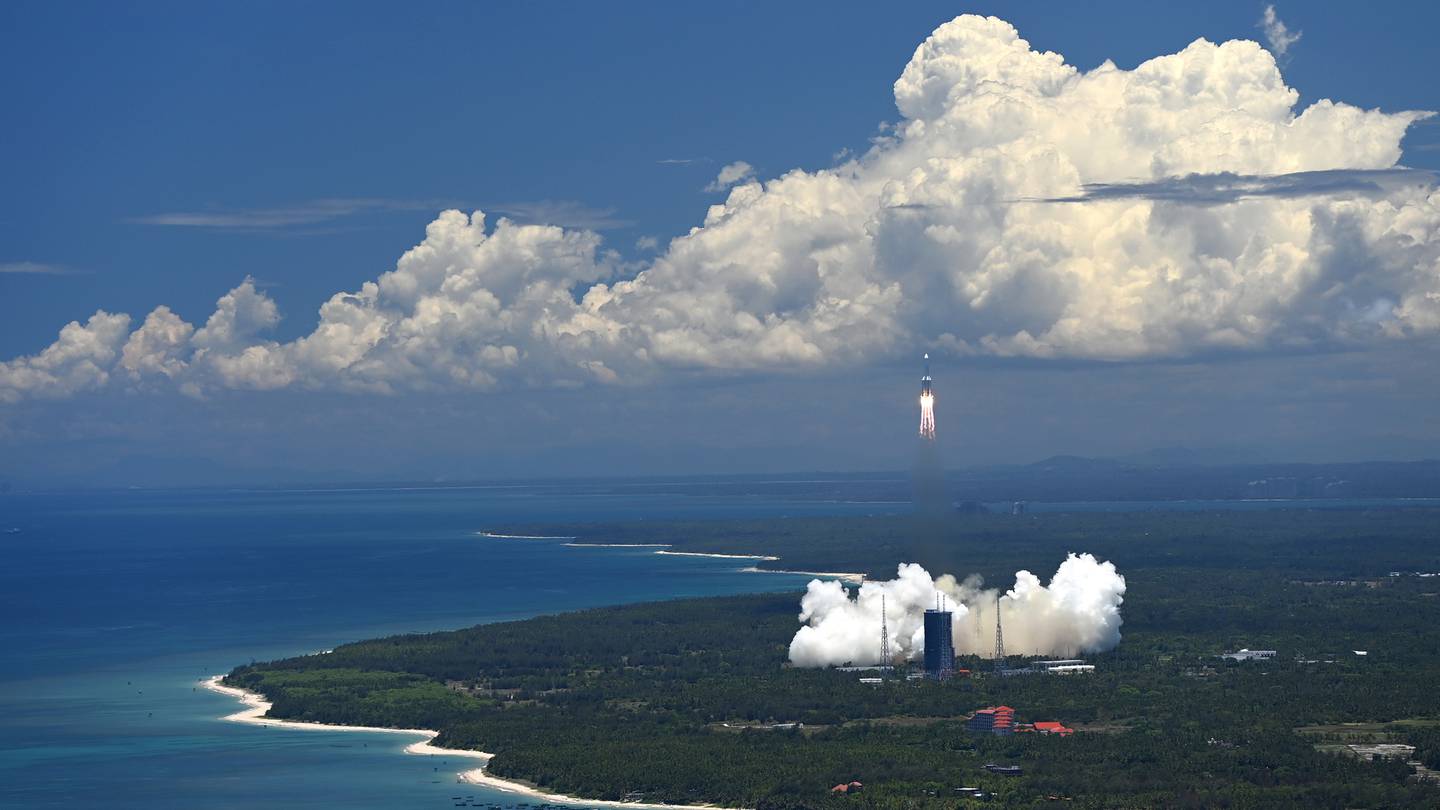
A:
(1078, 611)
(929, 474)
(927, 404)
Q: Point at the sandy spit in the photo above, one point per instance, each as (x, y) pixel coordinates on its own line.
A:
(618, 545)
(840, 575)
(665, 549)
(256, 706)
(718, 556)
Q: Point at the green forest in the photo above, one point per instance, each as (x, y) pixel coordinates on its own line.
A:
(693, 700)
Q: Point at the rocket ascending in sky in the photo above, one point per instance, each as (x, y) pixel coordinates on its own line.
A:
(927, 404)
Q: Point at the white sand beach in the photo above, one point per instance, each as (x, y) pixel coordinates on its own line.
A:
(665, 549)
(840, 575)
(256, 706)
(719, 556)
(845, 576)
(617, 545)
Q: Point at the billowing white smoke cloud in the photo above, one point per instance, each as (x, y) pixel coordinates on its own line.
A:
(1079, 611)
(945, 233)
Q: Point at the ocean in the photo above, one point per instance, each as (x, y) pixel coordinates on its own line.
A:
(114, 604)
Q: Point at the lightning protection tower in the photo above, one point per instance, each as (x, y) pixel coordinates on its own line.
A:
(884, 638)
(999, 638)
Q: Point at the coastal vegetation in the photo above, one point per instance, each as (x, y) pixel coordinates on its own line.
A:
(693, 701)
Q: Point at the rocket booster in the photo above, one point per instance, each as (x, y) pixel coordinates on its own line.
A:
(927, 404)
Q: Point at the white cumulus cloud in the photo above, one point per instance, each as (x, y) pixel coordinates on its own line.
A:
(159, 347)
(1279, 37)
(732, 174)
(1019, 207)
(80, 359)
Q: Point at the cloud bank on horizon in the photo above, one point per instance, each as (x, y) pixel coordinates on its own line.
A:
(948, 232)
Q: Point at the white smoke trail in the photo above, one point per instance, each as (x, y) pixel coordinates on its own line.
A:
(1079, 611)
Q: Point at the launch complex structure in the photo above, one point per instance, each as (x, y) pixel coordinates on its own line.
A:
(939, 641)
(940, 646)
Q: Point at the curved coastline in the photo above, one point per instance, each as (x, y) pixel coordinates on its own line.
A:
(617, 545)
(664, 548)
(844, 576)
(719, 556)
(256, 707)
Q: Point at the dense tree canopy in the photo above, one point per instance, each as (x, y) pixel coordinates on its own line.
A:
(676, 699)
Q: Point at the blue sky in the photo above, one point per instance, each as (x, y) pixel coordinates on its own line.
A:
(317, 140)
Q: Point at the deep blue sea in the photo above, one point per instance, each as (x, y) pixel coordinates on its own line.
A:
(113, 605)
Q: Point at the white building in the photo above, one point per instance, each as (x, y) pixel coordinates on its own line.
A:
(1067, 666)
(1250, 655)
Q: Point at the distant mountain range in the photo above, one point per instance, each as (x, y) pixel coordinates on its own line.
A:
(1075, 478)
(1161, 475)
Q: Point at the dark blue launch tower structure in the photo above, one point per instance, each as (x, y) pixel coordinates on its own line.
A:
(939, 644)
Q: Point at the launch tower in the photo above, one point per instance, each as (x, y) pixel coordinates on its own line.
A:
(939, 643)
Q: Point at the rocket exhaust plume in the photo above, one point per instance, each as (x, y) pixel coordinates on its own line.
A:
(929, 479)
(927, 405)
(1077, 612)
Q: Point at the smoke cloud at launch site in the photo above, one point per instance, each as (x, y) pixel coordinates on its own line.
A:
(1077, 612)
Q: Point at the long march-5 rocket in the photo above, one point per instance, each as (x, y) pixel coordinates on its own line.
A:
(927, 404)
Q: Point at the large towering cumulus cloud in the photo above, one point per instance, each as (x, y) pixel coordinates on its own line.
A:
(986, 221)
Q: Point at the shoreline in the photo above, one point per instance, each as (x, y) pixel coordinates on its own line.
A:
(256, 706)
(765, 557)
(617, 545)
(664, 548)
(844, 576)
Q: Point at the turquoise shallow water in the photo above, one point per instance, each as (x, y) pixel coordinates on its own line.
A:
(113, 605)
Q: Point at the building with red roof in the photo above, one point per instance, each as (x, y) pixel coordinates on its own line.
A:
(994, 720)
(1052, 727)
